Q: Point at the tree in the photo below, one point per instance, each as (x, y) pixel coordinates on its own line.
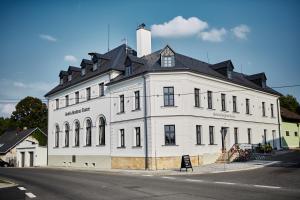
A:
(289, 102)
(31, 113)
(6, 124)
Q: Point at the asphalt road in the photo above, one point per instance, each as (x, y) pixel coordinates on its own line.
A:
(274, 182)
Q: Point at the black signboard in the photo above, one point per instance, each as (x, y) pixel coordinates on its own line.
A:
(186, 162)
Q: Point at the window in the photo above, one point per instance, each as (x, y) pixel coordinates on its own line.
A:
(170, 135)
(122, 138)
(67, 131)
(137, 100)
(247, 106)
(197, 97)
(57, 136)
(287, 133)
(101, 131)
(67, 100)
(209, 99)
(272, 110)
(234, 107)
(69, 77)
(128, 70)
(211, 135)
(76, 97)
(61, 81)
(198, 134)
(88, 93)
(265, 136)
(121, 103)
(168, 61)
(296, 134)
(88, 132)
(236, 139)
(95, 66)
(137, 136)
(168, 96)
(263, 106)
(57, 103)
(77, 129)
(101, 89)
(249, 135)
(82, 71)
(223, 102)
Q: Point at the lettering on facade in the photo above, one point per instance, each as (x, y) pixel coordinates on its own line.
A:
(223, 115)
(73, 112)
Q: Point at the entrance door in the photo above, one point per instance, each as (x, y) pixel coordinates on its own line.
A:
(224, 138)
(22, 159)
(31, 159)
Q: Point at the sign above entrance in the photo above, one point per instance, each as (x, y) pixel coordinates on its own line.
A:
(73, 112)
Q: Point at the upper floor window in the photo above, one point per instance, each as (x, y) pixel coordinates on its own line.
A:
(88, 93)
(137, 100)
(128, 70)
(170, 135)
(272, 110)
(57, 103)
(67, 100)
(122, 103)
(101, 89)
(234, 104)
(88, 135)
(83, 71)
(247, 106)
(263, 105)
(76, 97)
(223, 102)
(168, 96)
(69, 77)
(209, 99)
(287, 133)
(296, 134)
(67, 131)
(197, 97)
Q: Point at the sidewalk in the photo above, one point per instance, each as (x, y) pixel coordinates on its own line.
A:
(205, 169)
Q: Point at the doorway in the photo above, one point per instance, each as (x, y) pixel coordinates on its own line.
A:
(224, 139)
(22, 159)
(30, 159)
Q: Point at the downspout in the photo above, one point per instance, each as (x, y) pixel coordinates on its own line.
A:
(279, 128)
(47, 162)
(145, 124)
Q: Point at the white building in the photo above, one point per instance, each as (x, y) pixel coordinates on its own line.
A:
(123, 111)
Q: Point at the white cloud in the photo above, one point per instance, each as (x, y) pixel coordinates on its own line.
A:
(70, 58)
(241, 31)
(6, 109)
(48, 37)
(213, 35)
(179, 27)
(19, 84)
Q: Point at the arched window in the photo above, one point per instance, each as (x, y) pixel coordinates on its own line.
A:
(101, 131)
(77, 128)
(88, 132)
(56, 136)
(67, 131)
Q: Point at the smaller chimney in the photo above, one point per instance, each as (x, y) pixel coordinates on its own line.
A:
(143, 40)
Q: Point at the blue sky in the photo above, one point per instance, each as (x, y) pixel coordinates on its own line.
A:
(40, 38)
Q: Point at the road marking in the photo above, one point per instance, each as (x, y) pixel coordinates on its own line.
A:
(193, 180)
(167, 177)
(22, 188)
(30, 195)
(227, 183)
(147, 175)
(267, 186)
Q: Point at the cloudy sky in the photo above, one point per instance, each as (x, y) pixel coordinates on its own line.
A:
(40, 38)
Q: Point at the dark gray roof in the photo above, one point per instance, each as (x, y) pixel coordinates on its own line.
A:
(120, 56)
(10, 139)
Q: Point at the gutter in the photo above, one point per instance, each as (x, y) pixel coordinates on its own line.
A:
(279, 129)
(145, 124)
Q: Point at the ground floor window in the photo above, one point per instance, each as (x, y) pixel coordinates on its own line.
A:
(198, 134)
(137, 136)
(211, 135)
(236, 139)
(170, 135)
(265, 136)
(122, 138)
(249, 135)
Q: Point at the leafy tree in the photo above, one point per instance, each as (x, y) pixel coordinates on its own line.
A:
(30, 112)
(289, 102)
(6, 124)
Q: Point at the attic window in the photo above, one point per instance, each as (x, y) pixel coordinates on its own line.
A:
(128, 70)
(95, 66)
(263, 84)
(69, 77)
(61, 81)
(83, 71)
(167, 61)
(229, 74)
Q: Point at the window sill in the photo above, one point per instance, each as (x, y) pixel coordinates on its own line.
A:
(87, 146)
(120, 113)
(236, 112)
(225, 111)
(273, 117)
(265, 116)
(121, 147)
(100, 145)
(137, 147)
(75, 146)
(55, 147)
(65, 147)
(249, 114)
(213, 144)
(169, 106)
(170, 145)
(211, 109)
(200, 144)
(135, 110)
(198, 107)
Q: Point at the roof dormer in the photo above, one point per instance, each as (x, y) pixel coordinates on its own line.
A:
(225, 68)
(86, 65)
(259, 79)
(63, 77)
(167, 57)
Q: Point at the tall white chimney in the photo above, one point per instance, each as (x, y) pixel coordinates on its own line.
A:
(143, 41)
